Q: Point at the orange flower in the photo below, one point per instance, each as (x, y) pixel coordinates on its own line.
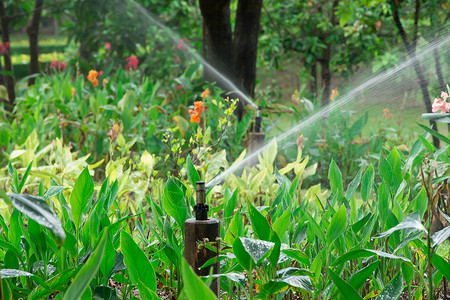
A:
(205, 93)
(92, 77)
(198, 107)
(195, 117)
(105, 82)
(334, 93)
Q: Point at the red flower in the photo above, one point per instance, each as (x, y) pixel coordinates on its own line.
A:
(57, 65)
(4, 47)
(132, 63)
(182, 44)
(107, 46)
(180, 87)
(177, 60)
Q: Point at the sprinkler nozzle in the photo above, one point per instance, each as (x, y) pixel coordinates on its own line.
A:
(201, 208)
(258, 120)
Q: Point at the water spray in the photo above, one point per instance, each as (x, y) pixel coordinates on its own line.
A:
(198, 232)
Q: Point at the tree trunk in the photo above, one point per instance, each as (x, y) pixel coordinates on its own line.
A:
(411, 49)
(245, 47)
(216, 18)
(9, 79)
(33, 32)
(326, 75)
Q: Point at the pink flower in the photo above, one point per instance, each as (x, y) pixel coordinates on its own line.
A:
(132, 63)
(182, 44)
(439, 105)
(100, 73)
(4, 47)
(57, 65)
(444, 95)
(180, 87)
(107, 46)
(177, 60)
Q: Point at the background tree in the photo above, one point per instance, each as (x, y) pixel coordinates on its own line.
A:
(232, 53)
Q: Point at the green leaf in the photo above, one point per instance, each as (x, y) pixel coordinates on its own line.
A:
(393, 289)
(282, 223)
(192, 172)
(38, 210)
(24, 178)
(81, 194)
(337, 226)
(435, 133)
(315, 227)
(358, 279)
(353, 185)
(235, 229)
(335, 177)
(367, 182)
(346, 289)
(87, 272)
(174, 202)
(250, 252)
(395, 163)
(297, 255)
(139, 267)
(194, 287)
(230, 203)
(442, 265)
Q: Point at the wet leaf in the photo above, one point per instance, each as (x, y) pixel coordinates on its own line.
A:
(8, 273)
(358, 253)
(250, 252)
(38, 210)
(440, 236)
(393, 289)
(408, 224)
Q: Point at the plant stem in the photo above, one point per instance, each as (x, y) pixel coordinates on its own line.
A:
(430, 274)
(250, 284)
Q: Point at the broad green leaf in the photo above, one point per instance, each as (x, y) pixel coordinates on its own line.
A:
(174, 202)
(346, 289)
(337, 226)
(242, 127)
(335, 177)
(396, 167)
(230, 203)
(358, 279)
(81, 194)
(139, 267)
(282, 223)
(367, 182)
(239, 278)
(393, 289)
(297, 255)
(8, 273)
(250, 252)
(87, 272)
(192, 172)
(353, 185)
(235, 229)
(442, 265)
(315, 227)
(38, 210)
(53, 191)
(194, 287)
